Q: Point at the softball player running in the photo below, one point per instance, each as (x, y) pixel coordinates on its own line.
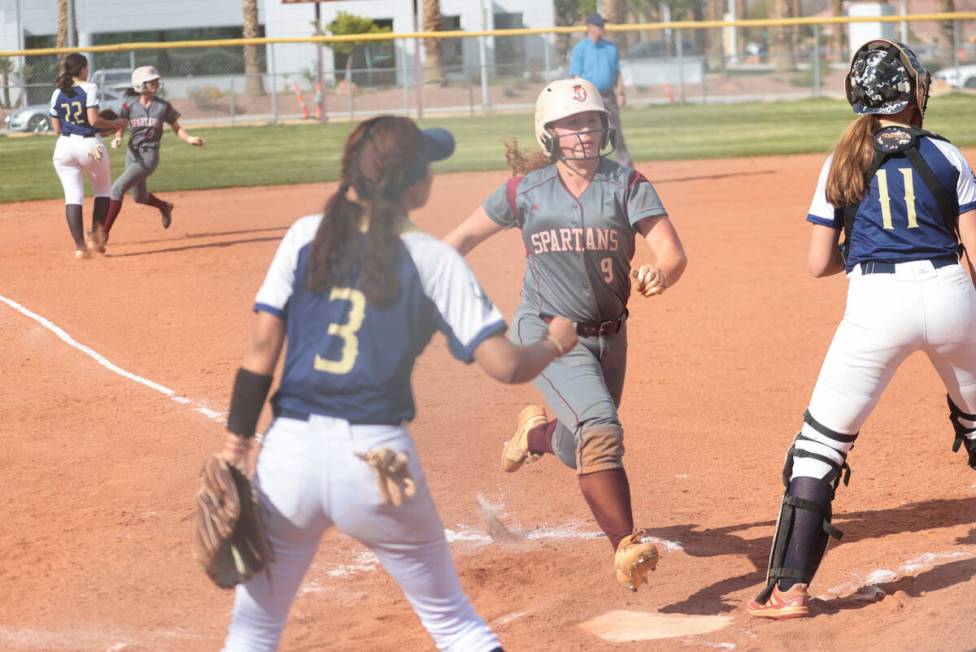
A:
(359, 293)
(580, 213)
(146, 115)
(79, 149)
(903, 196)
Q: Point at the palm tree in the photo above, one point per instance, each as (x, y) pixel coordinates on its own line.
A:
(946, 31)
(62, 24)
(615, 11)
(253, 83)
(780, 53)
(838, 10)
(433, 70)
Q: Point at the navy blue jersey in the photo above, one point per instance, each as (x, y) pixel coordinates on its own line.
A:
(899, 218)
(71, 110)
(352, 360)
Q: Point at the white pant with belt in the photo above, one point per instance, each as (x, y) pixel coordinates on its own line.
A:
(889, 317)
(309, 479)
(72, 160)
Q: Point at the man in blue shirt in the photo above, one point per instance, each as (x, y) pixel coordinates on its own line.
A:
(596, 60)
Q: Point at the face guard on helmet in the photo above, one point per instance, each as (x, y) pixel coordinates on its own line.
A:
(142, 75)
(885, 77)
(561, 99)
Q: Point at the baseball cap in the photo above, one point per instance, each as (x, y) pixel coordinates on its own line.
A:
(595, 19)
(436, 144)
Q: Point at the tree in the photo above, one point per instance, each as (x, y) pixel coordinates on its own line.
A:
(253, 83)
(615, 12)
(837, 8)
(433, 69)
(946, 30)
(570, 12)
(62, 24)
(346, 23)
(780, 53)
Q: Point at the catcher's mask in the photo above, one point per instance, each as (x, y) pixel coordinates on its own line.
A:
(142, 75)
(563, 98)
(885, 77)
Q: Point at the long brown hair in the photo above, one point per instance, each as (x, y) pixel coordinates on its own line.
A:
(520, 162)
(380, 162)
(853, 155)
(71, 67)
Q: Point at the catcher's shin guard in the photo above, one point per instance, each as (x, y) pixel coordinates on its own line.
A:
(965, 433)
(834, 456)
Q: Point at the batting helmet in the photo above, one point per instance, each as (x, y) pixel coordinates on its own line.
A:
(561, 99)
(885, 77)
(142, 75)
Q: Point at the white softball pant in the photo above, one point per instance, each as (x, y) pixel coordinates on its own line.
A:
(72, 161)
(889, 317)
(309, 479)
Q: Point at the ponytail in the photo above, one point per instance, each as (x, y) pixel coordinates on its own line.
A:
(853, 156)
(71, 67)
(520, 162)
(380, 163)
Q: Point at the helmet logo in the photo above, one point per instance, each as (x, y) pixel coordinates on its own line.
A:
(579, 93)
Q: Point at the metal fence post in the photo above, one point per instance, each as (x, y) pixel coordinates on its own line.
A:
(816, 61)
(955, 51)
(232, 99)
(349, 98)
(681, 65)
(274, 83)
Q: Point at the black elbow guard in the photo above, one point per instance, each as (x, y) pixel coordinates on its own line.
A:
(247, 401)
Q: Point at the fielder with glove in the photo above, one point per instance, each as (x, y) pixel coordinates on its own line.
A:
(338, 452)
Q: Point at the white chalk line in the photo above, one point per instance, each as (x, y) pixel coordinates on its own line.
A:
(866, 587)
(111, 366)
(365, 562)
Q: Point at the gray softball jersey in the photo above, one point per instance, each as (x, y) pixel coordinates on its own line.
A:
(578, 249)
(146, 122)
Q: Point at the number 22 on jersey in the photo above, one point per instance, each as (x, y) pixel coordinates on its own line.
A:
(885, 199)
(68, 106)
(347, 331)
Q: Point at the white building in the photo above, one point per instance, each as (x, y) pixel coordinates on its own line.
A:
(33, 23)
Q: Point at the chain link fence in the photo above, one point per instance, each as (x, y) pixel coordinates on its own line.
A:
(276, 82)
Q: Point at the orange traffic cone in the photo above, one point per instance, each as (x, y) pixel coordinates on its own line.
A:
(668, 95)
(301, 101)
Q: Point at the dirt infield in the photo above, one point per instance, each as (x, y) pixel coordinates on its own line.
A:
(98, 469)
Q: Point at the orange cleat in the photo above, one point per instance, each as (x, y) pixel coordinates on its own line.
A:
(783, 605)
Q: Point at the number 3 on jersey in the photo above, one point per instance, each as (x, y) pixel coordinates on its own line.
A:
(347, 331)
(906, 174)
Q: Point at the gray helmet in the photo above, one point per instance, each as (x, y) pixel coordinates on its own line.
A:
(885, 77)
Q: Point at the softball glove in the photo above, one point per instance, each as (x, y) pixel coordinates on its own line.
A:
(228, 536)
(107, 114)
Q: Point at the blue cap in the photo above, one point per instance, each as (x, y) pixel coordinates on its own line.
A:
(436, 144)
(595, 19)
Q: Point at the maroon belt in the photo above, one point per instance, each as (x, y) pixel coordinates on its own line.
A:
(594, 329)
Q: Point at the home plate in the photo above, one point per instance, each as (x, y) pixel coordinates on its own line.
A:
(622, 626)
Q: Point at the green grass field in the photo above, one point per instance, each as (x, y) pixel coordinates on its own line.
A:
(252, 156)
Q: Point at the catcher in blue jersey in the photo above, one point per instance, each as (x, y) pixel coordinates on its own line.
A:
(580, 214)
(358, 292)
(905, 198)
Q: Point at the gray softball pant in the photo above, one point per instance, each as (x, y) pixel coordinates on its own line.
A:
(139, 164)
(583, 387)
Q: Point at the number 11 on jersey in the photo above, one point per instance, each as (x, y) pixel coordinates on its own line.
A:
(885, 200)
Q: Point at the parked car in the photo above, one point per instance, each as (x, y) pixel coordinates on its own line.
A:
(117, 79)
(964, 78)
(35, 117)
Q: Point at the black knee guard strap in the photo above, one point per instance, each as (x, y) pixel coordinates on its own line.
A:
(784, 525)
(837, 472)
(961, 431)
